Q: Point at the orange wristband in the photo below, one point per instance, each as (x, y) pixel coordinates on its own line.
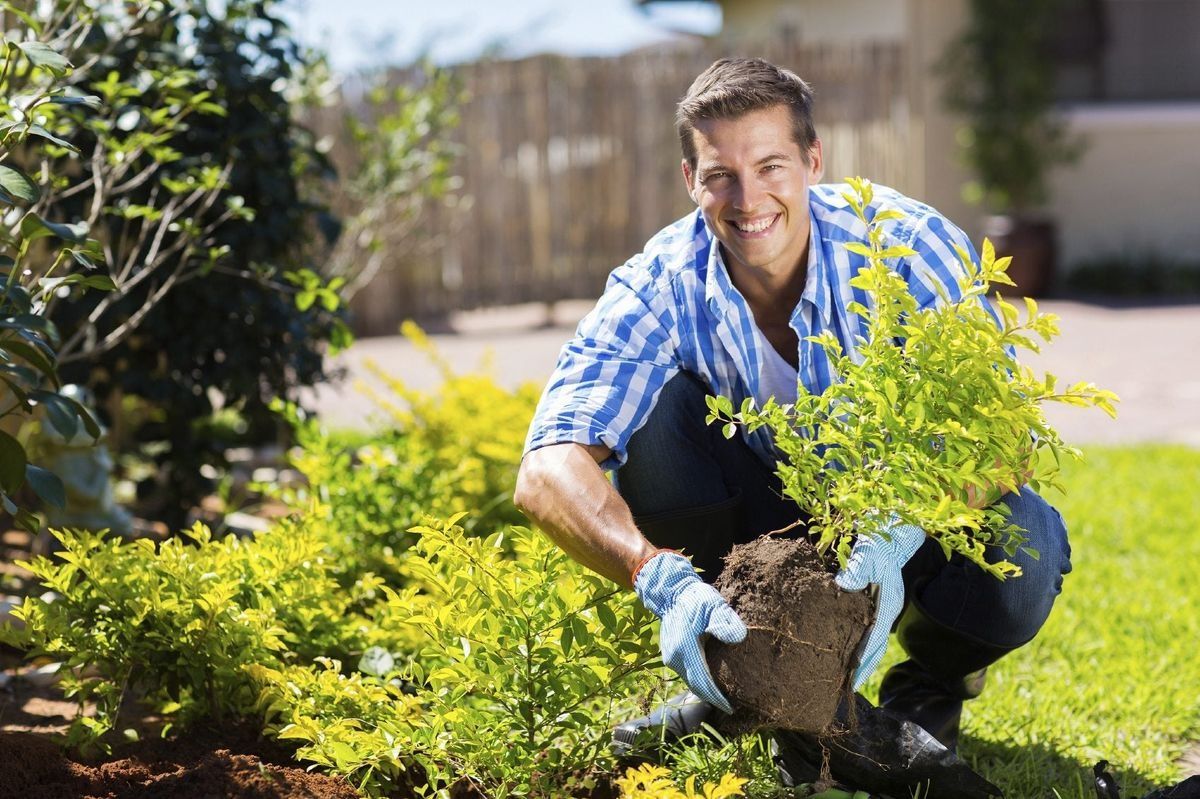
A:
(646, 559)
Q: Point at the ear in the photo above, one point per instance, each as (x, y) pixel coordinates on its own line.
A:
(688, 186)
(816, 162)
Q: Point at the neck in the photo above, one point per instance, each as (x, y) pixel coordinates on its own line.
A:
(772, 295)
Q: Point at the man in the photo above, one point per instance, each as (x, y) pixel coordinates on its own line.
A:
(722, 302)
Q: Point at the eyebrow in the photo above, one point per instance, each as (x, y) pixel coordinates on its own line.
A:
(765, 159)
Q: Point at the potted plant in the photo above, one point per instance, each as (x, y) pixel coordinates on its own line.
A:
(1000, 76)
(903, 432)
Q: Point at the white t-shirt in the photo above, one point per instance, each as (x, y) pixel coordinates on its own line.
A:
(778, 378)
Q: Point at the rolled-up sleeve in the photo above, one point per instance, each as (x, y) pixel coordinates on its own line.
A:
(937, 264)
(610, 374)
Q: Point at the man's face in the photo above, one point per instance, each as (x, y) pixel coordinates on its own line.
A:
(751, 183)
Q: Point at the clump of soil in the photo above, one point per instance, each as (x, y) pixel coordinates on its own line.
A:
(33, 767)
(803, 638)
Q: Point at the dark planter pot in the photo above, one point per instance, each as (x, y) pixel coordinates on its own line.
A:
(1031, 243)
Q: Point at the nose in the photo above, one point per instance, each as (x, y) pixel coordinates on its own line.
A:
(749, 195)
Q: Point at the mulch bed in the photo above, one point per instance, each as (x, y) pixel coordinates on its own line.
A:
(34, 767)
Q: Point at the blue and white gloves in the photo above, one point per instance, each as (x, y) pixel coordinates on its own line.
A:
(877, 560)
(689, 608)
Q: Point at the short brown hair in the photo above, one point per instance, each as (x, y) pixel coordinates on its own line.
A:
(731, 87)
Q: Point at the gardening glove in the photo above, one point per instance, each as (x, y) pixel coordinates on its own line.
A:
(877, 560)
(689, 608)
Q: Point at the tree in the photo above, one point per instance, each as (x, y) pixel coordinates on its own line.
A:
(194, 189)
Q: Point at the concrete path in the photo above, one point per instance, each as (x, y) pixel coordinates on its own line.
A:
(1149, 355)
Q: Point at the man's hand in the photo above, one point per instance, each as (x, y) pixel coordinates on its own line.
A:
(876, 560)
(689, 608)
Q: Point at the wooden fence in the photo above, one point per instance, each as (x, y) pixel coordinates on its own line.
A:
(570, 164)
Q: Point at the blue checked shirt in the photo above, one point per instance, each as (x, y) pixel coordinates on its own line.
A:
(673, 307)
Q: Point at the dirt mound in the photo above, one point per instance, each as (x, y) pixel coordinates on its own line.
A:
(33, 767)
(803, 635)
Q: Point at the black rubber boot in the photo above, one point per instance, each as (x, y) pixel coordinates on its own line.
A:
(944, 668)
(881, 753)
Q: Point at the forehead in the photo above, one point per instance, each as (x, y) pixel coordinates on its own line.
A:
(749, 136)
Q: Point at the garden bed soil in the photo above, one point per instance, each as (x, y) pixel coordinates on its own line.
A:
(803, 638)
(231, 762)
(34, 767)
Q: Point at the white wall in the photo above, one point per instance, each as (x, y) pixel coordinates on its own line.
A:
(1136, 189)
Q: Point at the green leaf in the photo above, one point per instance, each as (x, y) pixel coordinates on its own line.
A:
(17, 183)
(85, 415)
(27, 520)
(89, 100)
(42, 55)
(27, 321)
(33, 356)
(608, 619)
(62, 417)
(47, 485)
(100, 282)
(38, 130)
(896, 251)
(12, 463)
(987, 255)
(343, 754)
(34, 227)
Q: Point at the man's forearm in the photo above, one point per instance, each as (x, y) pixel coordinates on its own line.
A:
(562, 489)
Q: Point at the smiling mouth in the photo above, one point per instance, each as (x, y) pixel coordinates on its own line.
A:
(756, 227)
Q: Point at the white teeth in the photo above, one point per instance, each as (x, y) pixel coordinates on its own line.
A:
(756, 227)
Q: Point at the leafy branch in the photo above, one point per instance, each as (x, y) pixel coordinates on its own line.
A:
(931, 410)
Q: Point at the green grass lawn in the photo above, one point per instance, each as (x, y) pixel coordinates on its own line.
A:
(1115, 673)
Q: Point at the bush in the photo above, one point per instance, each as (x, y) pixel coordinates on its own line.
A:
(37, 109)
(524, 660)
(450, 450)
(655, 782)
(180, 624)
(176, 146)
(931, 413)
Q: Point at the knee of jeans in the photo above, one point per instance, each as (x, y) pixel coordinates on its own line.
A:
(1045, 533)
(1023, 603)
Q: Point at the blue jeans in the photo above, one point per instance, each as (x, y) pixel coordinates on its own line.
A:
(682, 474)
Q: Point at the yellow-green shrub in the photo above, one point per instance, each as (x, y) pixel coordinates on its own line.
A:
(180, 622)
(527, 660)
(446, 451)
(932, 407)
(355, 725)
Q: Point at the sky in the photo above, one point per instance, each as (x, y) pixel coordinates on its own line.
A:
(367, 33)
